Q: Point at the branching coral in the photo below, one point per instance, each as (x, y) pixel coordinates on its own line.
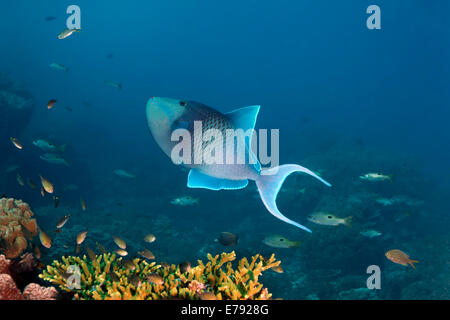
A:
(108, 278)
(16, 226)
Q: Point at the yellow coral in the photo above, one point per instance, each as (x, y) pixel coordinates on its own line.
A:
(105, 278)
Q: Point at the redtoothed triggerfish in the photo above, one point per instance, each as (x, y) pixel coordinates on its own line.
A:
(165, 115)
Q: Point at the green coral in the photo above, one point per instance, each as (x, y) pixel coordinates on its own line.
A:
(107, 278)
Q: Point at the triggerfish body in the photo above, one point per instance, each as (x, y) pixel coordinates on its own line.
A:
(165, 115)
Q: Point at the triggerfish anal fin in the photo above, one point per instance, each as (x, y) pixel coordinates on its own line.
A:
(269, 183)
(245, 119)
(197, 179)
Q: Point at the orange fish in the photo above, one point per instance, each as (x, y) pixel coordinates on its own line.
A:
(45, 239)
(399, 257)
(81, 237)
(48, 186)
(16, 143)
(51, 103)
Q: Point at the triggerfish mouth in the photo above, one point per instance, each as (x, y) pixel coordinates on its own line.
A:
(165, 116)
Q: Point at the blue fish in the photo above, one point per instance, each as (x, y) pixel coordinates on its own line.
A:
(165, 115)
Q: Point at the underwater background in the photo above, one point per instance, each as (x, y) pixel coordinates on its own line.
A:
(348, 101)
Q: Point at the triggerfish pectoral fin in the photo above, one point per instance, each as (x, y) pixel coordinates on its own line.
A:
(197, 179)
(269, 183)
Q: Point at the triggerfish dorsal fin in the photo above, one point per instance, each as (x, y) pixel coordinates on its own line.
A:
(269, 183)
(245, 119)
(197, 179)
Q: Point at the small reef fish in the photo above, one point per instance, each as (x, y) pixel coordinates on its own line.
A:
(184, 201)
(376, 177)
(399, 257)
(48, 147)
(20, 180)
(185, 267)
(113, 84)
(328, 219)
(400, 199)
(227, 239)
(62, 221)
(292, 191)
(83, 204)
(12, 168)
(31, 184)
(16, 143)
(67, 32)
(370, 233)
(122, 252)
(277, 241)
(124, 174)
(135, 280)
(155, 278)
(120, 242)
(81, 237)
(42, 192)
(164, 115)
(54, 159)
(207, 295)
(58, 66)
(147, 254)
(51, 103)
(47, 185)
(113, 275)
(91, 254)
(36, 251)
(100, 247)
(150, 238)
(46, 241)
(128, 264)
(278, 269)
(56, 199)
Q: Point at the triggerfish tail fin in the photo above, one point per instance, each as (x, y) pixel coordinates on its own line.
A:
(269, 183)
(411, 262)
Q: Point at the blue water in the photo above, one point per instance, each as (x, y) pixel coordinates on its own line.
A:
(347, 101)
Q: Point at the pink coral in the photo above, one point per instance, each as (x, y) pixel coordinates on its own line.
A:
(196, 286)
(33, 291)
(8, 289)
(4, 264)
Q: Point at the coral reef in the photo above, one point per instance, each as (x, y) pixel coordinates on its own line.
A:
(109, 278)
(13, 100)
(9, 289)
(16, 226)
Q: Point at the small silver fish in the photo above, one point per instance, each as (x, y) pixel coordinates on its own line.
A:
(67, 32)
(184, 201)
(58, 66)
(113, 84)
